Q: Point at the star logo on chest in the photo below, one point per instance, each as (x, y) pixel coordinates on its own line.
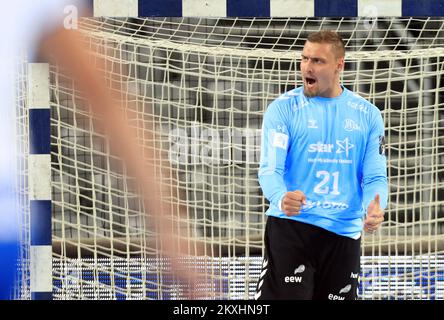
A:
(344, 146)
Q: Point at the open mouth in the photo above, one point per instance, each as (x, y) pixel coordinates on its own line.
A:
(310, 82)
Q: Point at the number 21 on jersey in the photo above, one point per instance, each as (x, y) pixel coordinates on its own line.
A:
(326, 186)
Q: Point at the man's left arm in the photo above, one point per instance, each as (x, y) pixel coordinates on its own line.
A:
(374, 181)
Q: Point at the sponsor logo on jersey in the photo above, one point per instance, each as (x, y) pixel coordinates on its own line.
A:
(335, 297)
(280, 140)
(295, 279)
(346, 289)
(325, 205)
(320, 147)
(334, 161)
(351, 125)
(358, 106)
(342, 146)
(292, 279)
(299, 269)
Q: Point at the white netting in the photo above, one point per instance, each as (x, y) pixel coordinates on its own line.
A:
(206, 83)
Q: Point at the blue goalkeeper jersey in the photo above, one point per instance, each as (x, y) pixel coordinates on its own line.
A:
(332, 149)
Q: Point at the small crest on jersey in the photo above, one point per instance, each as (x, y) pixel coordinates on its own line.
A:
(351, 125)
(382, 146)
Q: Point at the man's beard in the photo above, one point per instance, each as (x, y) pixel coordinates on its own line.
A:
(310, 94)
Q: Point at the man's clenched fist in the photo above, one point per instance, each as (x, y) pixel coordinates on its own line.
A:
(292, 202)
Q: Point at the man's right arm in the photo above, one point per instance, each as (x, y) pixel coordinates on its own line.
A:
(274, 148)
(67, 48)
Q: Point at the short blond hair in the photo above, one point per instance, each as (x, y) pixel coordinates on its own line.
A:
(331, 37)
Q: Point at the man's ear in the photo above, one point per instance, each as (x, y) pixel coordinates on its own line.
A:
(340, 64)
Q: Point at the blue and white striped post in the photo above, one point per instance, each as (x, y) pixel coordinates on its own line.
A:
(39, 166)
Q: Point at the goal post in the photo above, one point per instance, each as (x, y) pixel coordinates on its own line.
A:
(202, 85)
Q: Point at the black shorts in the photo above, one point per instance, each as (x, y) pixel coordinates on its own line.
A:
(305, 262)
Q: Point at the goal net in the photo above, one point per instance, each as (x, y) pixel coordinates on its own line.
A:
(202, 85)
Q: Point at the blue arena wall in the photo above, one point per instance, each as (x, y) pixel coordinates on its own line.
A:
(268, 8)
